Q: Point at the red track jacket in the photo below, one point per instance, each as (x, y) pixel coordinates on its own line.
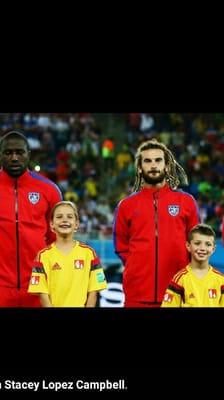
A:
(25, 205)
(150, 232)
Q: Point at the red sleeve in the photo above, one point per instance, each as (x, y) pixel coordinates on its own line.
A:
(194, 217)
(54, 197)
(120, 233)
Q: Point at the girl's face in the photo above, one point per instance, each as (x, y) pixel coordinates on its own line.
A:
(64, 220)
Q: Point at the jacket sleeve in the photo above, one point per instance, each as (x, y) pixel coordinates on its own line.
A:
(120, 233)
(54, 197)
(194, 217)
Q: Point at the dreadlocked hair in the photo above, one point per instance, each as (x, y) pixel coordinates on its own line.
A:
(175, 173)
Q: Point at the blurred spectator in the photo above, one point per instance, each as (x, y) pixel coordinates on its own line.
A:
(146, 124)
(108, 152)
(71, 195)
(73, 146)
(33, 141)
(124, 158)
(90, 186)
(48, 142)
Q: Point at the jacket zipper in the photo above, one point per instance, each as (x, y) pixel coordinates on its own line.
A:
(17, 235)
(155, 202)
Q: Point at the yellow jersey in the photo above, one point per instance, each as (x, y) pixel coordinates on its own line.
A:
(188, 290)
(67, 279)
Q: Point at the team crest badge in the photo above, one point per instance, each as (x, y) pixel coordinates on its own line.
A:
(173, 210)
(78, 264)
(34, 197)
(168, 297)
(212, 293)
(34, 280)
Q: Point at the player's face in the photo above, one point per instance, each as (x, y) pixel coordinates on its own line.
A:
(153, 168)
(201, 247)
(64, 220)
(14, 156)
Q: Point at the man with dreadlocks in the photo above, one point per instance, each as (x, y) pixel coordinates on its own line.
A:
(152, 224)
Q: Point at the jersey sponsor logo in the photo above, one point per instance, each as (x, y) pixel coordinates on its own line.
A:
(78, 264)
(34, 280)
(168, 297)
(212, 293)
(34, 197)
(173, 210)
(100, 277)
(56, 266)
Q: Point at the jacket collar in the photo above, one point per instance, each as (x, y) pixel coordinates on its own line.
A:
(7, 178)
(151, 190)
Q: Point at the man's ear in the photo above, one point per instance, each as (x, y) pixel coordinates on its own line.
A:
(167, 169)
(29, 155)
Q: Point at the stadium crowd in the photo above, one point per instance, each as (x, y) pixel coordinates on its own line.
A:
(91, 157)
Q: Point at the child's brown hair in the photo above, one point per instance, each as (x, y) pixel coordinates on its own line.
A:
(203, 229)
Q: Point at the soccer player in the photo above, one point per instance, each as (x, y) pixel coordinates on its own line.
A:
(68, 273)
(151, 226)
(26, 200)
(199, 284)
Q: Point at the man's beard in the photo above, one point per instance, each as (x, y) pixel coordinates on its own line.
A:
(153, 180)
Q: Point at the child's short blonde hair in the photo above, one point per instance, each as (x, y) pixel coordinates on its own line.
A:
(65, 203)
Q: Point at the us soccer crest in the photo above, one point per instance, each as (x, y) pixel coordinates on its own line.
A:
(34, 197)
(173, 210)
